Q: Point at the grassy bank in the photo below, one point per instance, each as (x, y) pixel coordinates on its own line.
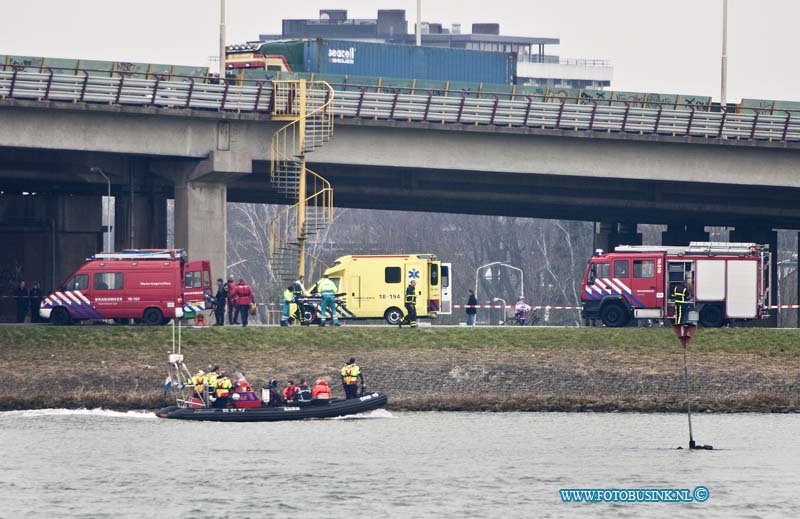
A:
(428, 368)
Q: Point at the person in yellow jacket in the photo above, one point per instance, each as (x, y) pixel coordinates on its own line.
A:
(223, 388)
(210, 382)
(351, 374)
(327, 289)
(286, 305)
(198, 381)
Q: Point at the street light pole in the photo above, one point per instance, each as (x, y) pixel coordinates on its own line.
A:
(107, 246)
(222, 39)
(419, 23)
(724, 83)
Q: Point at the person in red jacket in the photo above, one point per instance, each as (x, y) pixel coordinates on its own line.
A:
(233, 310)
(289, 391)
(321, 390)
(244, 296)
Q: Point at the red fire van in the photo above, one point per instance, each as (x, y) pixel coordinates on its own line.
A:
(150, 286)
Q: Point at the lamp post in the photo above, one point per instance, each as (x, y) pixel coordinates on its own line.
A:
(107, 246)
(221, 39)
(724, 83)
(419, 23)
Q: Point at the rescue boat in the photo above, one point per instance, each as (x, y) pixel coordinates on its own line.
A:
(244, 405)
(332, 408)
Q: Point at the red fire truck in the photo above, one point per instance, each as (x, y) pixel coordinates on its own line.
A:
(150, 286)
(728, 281)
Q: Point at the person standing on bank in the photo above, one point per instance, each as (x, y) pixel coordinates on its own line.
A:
(220, 299)
(21, 295)
(299, 290)
(286, 305)
(472, 303)
(36, 301)
(327, 289)
(351, 374)
(244, 296)
(411, 305)
(681, 294)
(233, 312)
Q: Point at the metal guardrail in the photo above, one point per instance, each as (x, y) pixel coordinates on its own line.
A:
(414, 105)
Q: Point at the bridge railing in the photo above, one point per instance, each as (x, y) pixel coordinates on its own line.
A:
(501, 109)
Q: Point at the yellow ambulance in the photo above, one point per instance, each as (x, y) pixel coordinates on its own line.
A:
(374, 287)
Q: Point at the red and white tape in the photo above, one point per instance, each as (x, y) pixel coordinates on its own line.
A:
(502, 307)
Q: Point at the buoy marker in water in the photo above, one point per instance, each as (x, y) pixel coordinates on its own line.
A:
(685, 332)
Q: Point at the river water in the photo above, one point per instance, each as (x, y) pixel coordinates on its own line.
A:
(104, 464)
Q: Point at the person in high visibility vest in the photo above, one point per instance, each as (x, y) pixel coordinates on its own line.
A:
(223, 389)
(327, 290)
(411, 305)
(351, 374)
(681, 296)
(198, 381)
(286, 304)
(299, 290)
(210, 383)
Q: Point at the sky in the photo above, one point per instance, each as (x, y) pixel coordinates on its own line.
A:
(664, 46)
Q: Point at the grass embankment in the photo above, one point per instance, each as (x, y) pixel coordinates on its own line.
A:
(425, 369)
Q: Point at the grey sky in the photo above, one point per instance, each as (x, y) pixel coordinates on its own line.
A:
(656, 46)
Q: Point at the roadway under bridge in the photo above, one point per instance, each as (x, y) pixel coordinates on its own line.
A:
(204, 158)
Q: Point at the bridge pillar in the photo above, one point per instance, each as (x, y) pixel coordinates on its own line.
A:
(764, 236)
(201, 194)
(45, 238)
(682, 234)
(610, 234)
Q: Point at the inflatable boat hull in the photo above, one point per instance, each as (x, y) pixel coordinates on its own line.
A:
(296, 411)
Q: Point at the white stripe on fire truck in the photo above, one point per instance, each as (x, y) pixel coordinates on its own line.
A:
(83, 297)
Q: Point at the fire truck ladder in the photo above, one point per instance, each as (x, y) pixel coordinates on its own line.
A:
(699, 248)
(308, 106)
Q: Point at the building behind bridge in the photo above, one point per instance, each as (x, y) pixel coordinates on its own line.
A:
(534, 66)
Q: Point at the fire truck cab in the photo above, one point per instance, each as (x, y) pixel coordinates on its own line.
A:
(151, 286)
(727, 282)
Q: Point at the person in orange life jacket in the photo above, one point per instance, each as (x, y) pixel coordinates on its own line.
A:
(289, 391)
(244, 296)
(230, 290)
(351, 374)
(321, 391)
(303, 393)
(223, 389)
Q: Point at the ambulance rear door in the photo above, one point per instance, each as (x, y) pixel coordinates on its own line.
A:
(446, 281)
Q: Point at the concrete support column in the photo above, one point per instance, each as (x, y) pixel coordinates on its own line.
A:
(611, 234)
(201, 222)
(78, 232)
(141, 224)
(201, 193)
(682, 234)
(763, 236)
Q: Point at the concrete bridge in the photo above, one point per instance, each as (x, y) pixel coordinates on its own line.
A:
(422, 151)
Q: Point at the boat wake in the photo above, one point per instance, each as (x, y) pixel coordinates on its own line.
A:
(375, 413)
(103, 413)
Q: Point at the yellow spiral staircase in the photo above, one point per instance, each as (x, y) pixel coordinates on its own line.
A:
(308, 106)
